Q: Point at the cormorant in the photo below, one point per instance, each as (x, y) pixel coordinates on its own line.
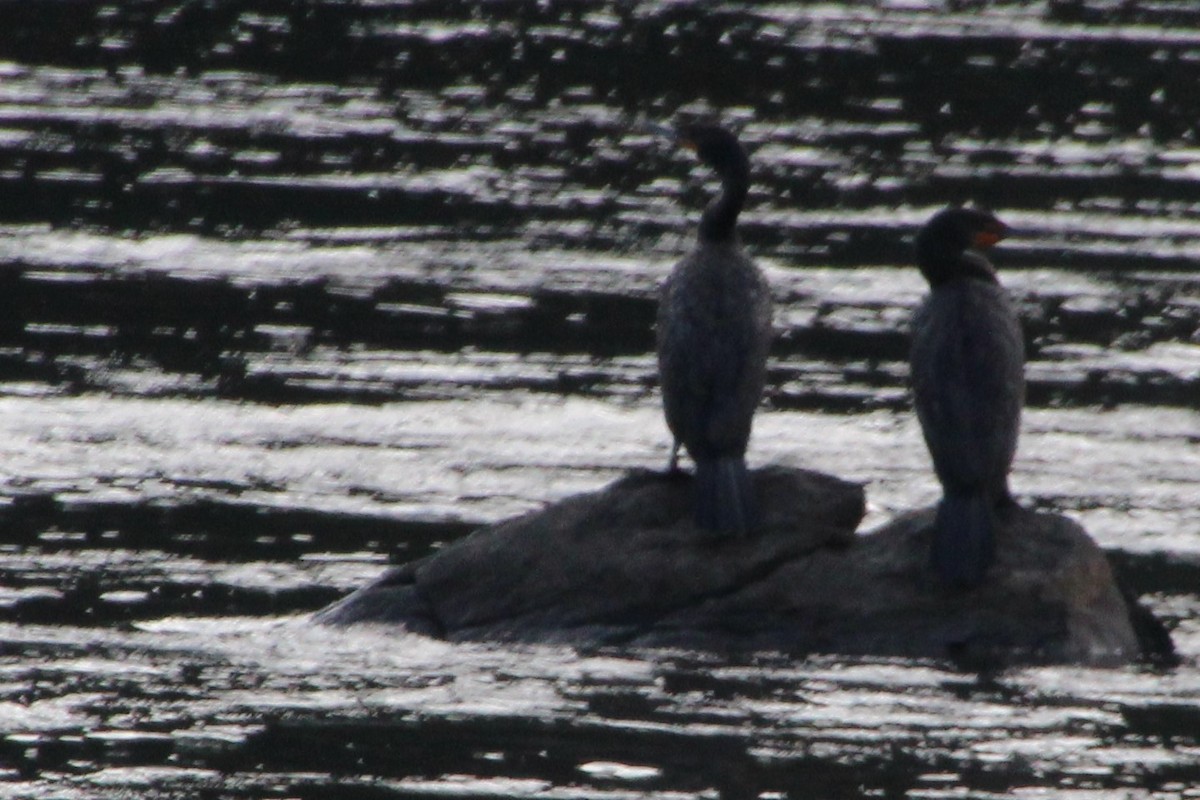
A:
(713, 332)
(967, 367)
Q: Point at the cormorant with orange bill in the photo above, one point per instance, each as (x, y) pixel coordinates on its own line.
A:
(967, 368)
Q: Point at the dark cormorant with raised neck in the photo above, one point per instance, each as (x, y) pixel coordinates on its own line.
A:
(714, 331)
(968, 381)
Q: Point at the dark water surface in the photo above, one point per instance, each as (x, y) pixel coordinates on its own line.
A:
(291, 291)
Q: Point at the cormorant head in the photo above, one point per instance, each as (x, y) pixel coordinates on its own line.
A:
(715, 146)
(941, 244)
(720, 150)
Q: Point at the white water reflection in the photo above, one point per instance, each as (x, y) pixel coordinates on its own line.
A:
(231, 675)
(482, 460)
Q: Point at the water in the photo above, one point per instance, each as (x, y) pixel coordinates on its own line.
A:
(291, 293)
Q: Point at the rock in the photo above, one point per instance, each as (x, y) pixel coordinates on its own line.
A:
(625, 566)
(1049, 598)
(603, 566)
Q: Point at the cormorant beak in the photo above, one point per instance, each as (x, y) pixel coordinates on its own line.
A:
(993, 232)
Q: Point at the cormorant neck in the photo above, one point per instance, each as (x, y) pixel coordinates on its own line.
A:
(942, 267)
(719, 222)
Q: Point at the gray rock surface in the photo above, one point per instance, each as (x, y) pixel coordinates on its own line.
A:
(625, 566)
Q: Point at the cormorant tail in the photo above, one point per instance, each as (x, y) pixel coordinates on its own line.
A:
(725, 496)
(963, 540)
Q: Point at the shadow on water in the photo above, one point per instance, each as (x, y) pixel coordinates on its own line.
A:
(290, 292)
